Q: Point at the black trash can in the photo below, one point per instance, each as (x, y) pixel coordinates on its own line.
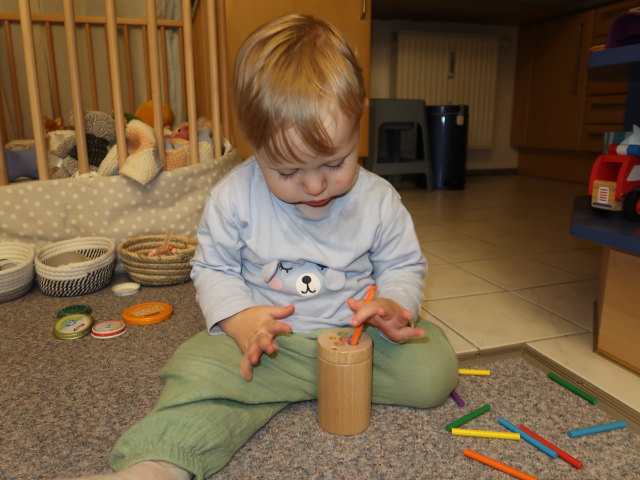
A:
(448, 128)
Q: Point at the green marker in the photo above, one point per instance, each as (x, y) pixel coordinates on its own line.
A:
(469, 416)
(573, 388)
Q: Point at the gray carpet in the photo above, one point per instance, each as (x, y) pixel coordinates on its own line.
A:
(63, 404)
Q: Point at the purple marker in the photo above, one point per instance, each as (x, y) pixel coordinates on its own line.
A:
(457, 398)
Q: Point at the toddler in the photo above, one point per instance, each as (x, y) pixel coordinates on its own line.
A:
(288, 244)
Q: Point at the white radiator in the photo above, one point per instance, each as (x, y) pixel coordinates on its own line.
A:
(451, 69)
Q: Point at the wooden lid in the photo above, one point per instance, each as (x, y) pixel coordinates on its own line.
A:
(333, 347)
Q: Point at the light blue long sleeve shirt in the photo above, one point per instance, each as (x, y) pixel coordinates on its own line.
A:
(254, 249)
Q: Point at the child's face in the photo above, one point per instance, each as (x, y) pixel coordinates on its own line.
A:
(312, 186)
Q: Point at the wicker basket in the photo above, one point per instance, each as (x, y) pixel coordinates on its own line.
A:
(157, 270)
(78, 278)
(16, 280)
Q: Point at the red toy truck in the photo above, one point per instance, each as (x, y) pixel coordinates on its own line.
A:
(614, 184)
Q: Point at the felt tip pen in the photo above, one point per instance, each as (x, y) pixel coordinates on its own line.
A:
(561, 453)
(468, 417)
(528, 438)
(498, 465)
(572, 388)
(485, 434)
(357, 333)
(457, 398)
(473, 371)
(606, 427)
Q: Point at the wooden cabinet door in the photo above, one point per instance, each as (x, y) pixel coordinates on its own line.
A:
(551, 83)
(352, 17)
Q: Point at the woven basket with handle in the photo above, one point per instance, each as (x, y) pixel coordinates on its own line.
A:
(161, 269)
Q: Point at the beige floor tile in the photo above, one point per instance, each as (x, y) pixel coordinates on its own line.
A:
(518, 272)
(447, 280)
(573, 301)
(576, 354)
(544, 223)
(429, 232)
(551, 276)
(462, 347)
(486, 229)
(432, 259)
(536, 243)
(585, 262)
(499, 320)
(464, 249)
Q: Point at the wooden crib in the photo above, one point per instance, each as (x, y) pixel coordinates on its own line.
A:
(156, 76)
(134, 64)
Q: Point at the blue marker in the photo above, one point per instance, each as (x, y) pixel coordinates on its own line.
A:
(596, 429)
(528, 438)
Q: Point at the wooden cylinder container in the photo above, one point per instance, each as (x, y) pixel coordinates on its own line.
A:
(344, 382)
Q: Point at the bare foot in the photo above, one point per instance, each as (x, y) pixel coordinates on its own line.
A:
(149, 470)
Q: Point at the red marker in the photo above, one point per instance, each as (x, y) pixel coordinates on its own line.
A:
(562, 454)
(355, 338)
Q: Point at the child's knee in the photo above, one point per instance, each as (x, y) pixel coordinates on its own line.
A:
(421, 373)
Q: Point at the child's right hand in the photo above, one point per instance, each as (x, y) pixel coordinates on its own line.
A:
(254, 330)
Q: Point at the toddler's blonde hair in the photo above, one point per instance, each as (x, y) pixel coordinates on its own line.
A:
(288, 74)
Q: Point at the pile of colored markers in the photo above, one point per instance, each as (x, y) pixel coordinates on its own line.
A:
(521, 432)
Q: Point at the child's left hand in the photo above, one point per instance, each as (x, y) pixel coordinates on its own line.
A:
(386, 315)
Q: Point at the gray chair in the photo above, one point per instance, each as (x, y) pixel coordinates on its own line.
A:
(398, 139)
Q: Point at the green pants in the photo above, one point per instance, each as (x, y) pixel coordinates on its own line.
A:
(207, 411)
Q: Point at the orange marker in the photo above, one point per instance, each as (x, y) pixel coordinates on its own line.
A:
(498, 466)
(355, 338)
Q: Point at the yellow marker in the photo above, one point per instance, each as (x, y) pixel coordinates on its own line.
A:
(471, 371)
(485, 434)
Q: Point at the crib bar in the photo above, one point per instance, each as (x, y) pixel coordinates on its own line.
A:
(4, 172)
(183, 90)
(145, 53)
(53, 18)
(215, 84)
(14, 81)
(191, 82)
(92, 67)
(165, 65)
(76, 89)
(222, 60)
(154, 67)
(3, 127)
(54, 72)
(114, 73)
(34, 93)
(129, 64)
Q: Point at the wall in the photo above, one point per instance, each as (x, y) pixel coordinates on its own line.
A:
(502, 155)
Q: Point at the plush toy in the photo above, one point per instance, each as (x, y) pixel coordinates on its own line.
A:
(181, 131)
(100, 136)
(53, 124)
(145, 113)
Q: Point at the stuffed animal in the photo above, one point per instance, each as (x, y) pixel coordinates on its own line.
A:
(145, 113)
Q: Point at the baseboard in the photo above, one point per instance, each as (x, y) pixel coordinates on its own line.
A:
(491, 171)
(606, 402)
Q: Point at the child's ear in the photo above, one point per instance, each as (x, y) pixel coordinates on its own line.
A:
(269, 271)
